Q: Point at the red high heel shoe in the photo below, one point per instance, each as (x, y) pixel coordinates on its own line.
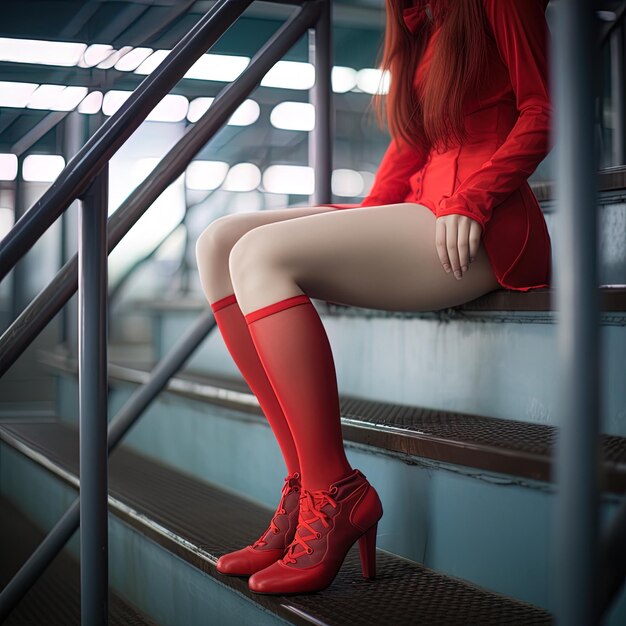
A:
(329, 523)
(273, 543)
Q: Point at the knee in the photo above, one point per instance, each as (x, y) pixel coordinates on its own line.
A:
(217, 239)
(251, 253)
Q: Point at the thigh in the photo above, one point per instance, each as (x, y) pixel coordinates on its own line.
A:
(223, 233)
(380, 257)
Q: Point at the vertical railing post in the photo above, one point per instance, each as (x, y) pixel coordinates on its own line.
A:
(320, 139)
(575, 521)
(74, 136)
(92, 348)
(617, 60)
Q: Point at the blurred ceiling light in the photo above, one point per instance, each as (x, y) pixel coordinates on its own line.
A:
(368, 181)
(133, 59)
(220, 67)
(198, 107)
(242, 177)
(152, 62)
(56, 97)
(114, 57)
(16, 94)
(91, 103)
(8, 166)
(293, 116)
(343, 79)
(44, 96)
(371, 80)
(113, 100)
(42, 168)
(41, 52)
(290, 75)
(172, 108)
(346, 182)
(291, 179)
(206, 175)
(94, 54)
(245, 114)
(69, 98)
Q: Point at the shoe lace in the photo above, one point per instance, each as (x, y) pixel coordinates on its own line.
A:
(289, 486)
(310, 502)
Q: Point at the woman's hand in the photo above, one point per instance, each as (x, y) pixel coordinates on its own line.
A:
(457, 238)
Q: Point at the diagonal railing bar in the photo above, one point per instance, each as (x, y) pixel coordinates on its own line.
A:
(61, 288)
(105, 142)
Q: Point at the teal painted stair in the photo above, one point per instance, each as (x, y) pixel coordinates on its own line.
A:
(157, 511)
(479, 491)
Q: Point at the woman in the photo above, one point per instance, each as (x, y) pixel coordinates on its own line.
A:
(469, 113)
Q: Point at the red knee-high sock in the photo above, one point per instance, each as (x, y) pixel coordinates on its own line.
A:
(234, 329)
(291, 340)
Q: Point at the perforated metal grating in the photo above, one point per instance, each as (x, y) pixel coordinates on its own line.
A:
(403, 592)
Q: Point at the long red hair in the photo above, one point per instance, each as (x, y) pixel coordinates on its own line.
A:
(457, 67)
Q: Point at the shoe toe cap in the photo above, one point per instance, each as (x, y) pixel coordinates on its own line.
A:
(246, 561)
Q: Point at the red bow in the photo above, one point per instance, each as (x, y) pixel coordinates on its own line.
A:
(415, 16)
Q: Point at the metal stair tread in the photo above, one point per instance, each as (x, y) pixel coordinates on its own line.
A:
(514, 447)
(199, 522)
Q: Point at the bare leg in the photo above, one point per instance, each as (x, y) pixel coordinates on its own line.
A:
(381, 257)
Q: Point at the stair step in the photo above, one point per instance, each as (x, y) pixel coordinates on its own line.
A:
(54, 600)
(612, 300)
(199, 522)
(506, 446)
(496, 355)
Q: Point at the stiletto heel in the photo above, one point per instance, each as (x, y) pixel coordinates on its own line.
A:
(367, 550)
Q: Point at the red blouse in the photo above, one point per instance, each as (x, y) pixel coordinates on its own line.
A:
(485, 177)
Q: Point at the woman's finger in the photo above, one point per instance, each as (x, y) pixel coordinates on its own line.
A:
(452, 244)
(474, 239)
(463, 242)
(440, 243)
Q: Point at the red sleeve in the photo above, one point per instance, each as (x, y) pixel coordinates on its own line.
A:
(391, 183)
(522, 36)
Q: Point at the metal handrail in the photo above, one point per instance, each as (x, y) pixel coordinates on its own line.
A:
(105, 142)
(61, 288)
(93, 245)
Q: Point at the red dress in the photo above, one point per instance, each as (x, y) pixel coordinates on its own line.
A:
(485, 177)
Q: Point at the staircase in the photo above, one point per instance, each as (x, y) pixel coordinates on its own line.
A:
(452, 415)
(467, 495)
